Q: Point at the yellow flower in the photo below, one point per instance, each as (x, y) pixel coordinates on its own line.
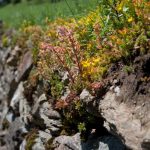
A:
(119, 8)
(124, 31)
(130, 19)
(85, 64)
(113, 37)
(96, 60)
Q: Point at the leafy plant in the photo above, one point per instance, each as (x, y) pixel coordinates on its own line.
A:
(128, 69)
(81, 127)
(85, 48)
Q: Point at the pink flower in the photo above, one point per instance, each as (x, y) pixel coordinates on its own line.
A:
(46, 46)
(96, 85)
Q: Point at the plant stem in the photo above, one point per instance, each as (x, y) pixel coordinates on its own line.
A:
(65, 66)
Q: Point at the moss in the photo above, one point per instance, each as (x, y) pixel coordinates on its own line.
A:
(57, 85)
(49, 145)
(5, 124)
(30, 138)
(5, 41)
(128, 69)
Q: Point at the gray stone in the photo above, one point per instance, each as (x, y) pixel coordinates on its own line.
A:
(43, 110)
(52, 124)
(67, 142)
(24, 66)
(123, 109)
(23, 145)
(53, 114)
(37, 103)
(17, 95)
(9, 117)
(38, 144)
(93, 143)
(117, 90)
(14, 57)
(86, 96)
(45, 136)
(65, 76)
(12, 136)
(121, 121)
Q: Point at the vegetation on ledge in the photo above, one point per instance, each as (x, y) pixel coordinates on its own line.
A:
(84, 49)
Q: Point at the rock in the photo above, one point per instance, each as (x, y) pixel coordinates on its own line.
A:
(19, 104)
(65, 77)
(3, 113)
(49, 118)
(3, 148)
(123, 103)
(7, 74)
(126, 108)
(17, 95)
(38, 144)
(53, 114)
(90, 101)
(14, 135)
(93, 143)
(54, 124)
(67, 143)
(23, 145)
(117, 91)
(43, 137)
(37, 103)
(121, 120)
(10, 117)
(85, 96)
(146, 141)
(13, 104)
(25, 66)
(14, 57)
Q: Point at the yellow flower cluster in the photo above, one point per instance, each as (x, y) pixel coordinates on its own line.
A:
(130, 19)
(98, 44)
(89, 19)
(90, 62)
(91, 67)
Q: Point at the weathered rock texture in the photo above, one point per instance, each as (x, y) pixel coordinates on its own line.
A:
(126, 107)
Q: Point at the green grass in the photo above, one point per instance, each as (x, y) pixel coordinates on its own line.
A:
(14, 15)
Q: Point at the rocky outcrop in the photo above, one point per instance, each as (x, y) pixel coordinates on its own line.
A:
(29, 120)
(93, 143)
(126, 105)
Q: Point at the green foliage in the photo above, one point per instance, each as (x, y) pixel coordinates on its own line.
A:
(142, 42)
(49, 144)
(81, 127)
(57, 85)
(5, 41)
(75, 118)
(30, 138)
(85, 48)
(128, 69)
(37, 13)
